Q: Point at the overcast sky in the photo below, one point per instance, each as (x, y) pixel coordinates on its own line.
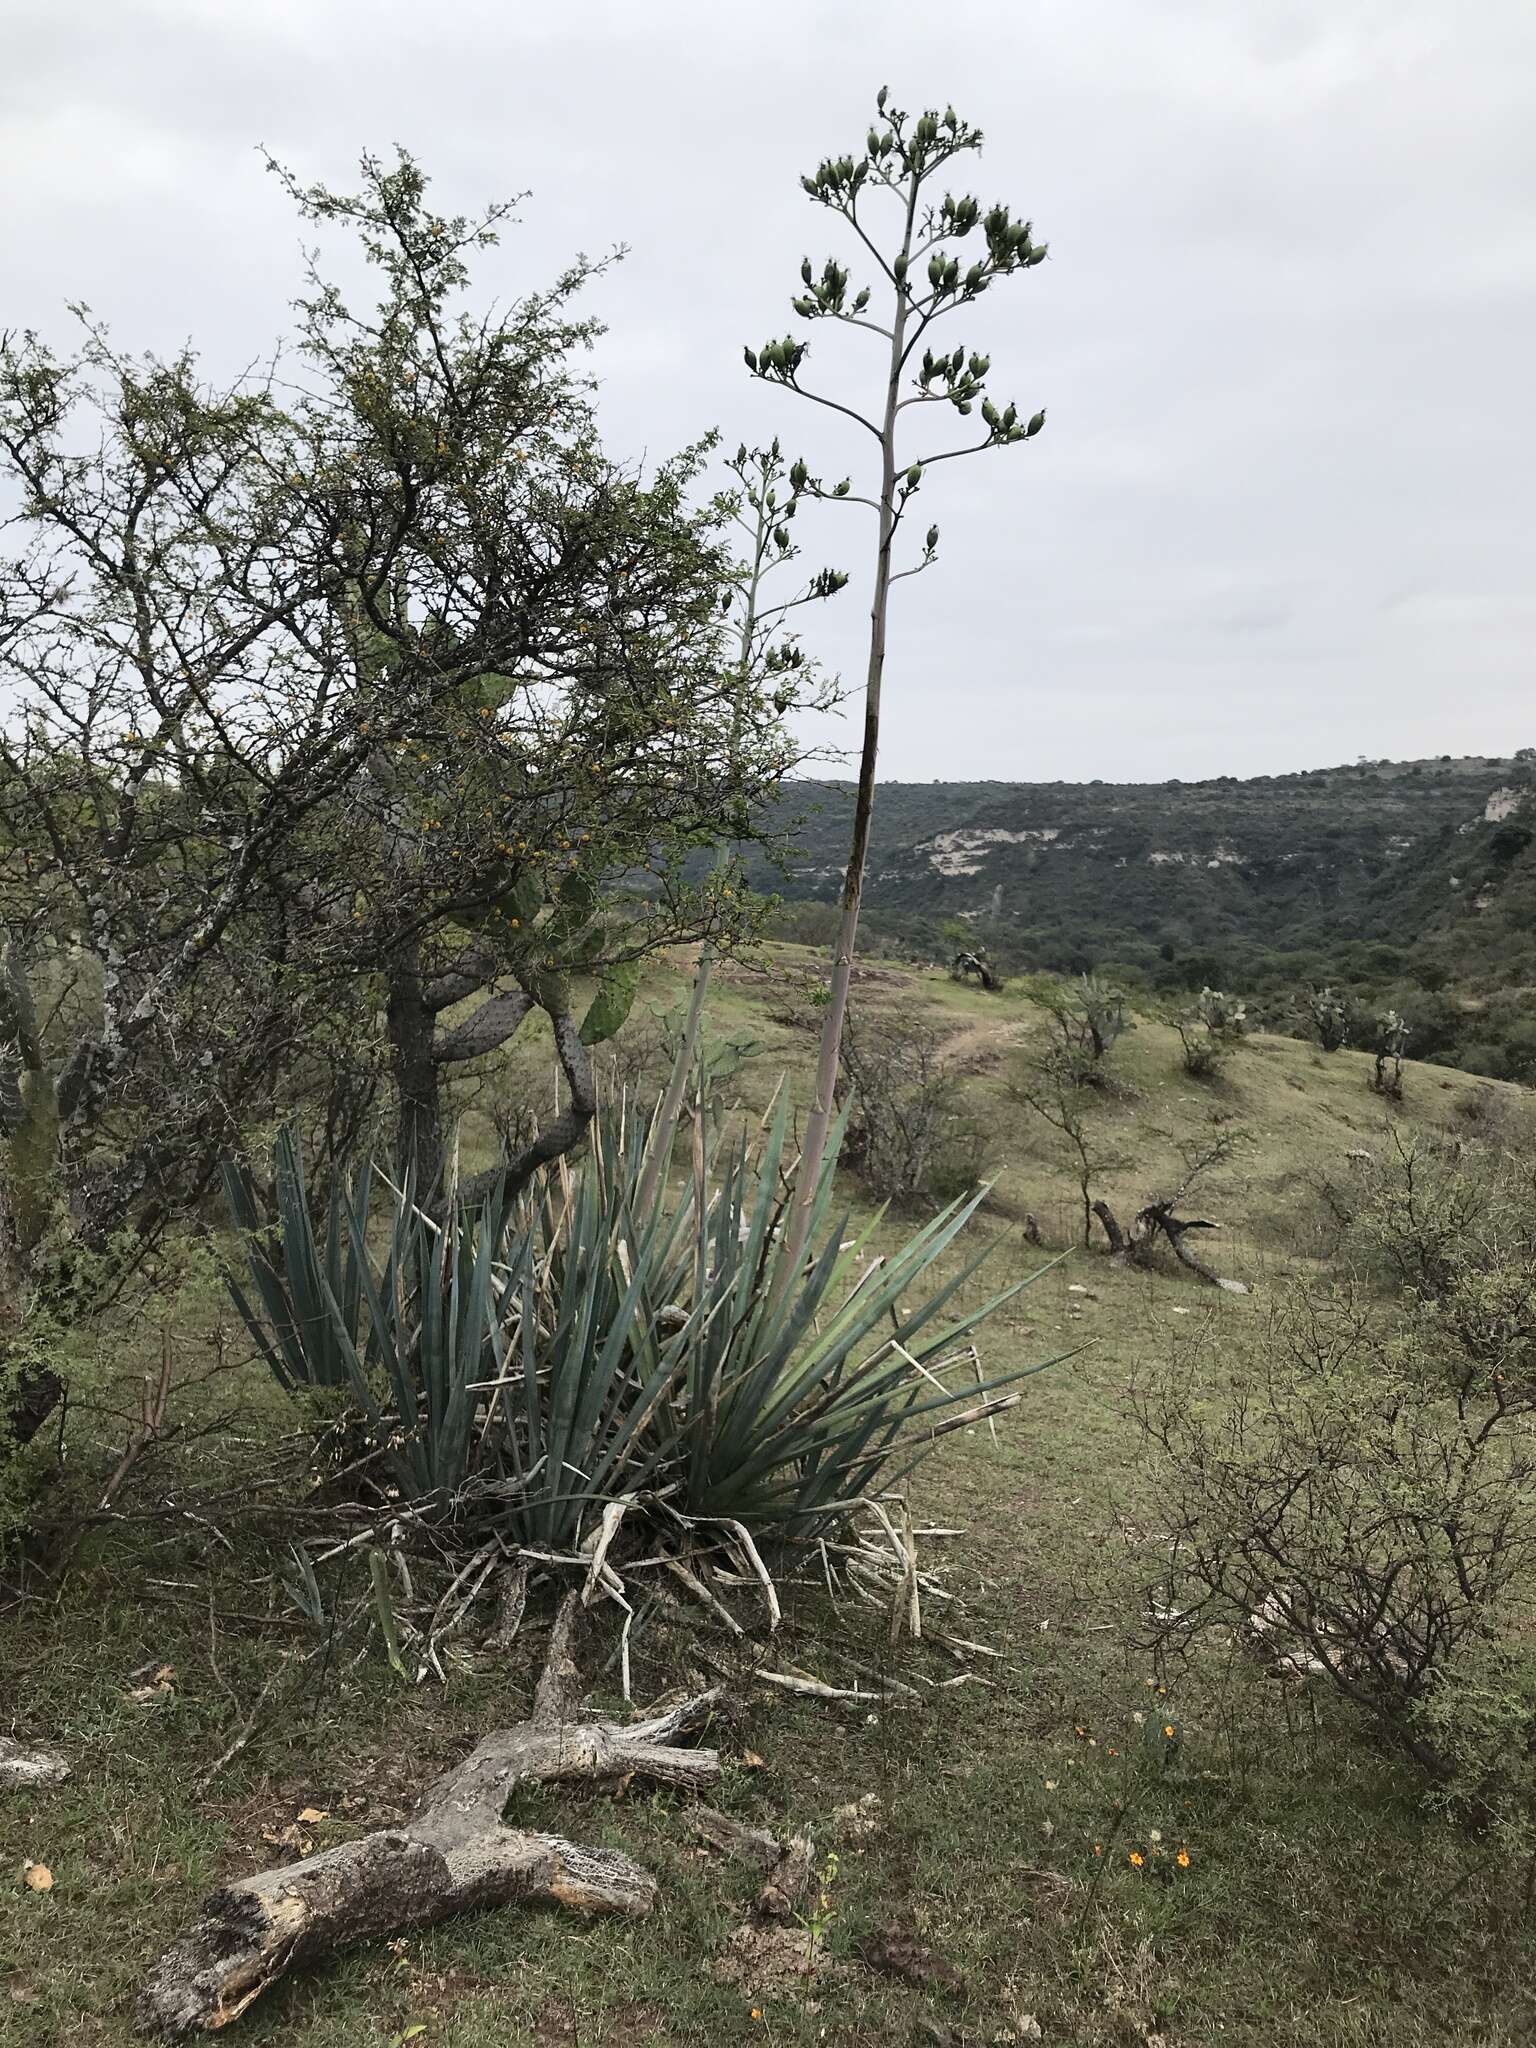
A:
(1284, 510)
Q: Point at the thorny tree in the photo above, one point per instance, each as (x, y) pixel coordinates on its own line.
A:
(350, 688)
(922, 277)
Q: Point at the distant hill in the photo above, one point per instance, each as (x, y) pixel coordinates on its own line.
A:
(1416, 873)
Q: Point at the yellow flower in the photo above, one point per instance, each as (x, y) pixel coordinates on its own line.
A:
(1182, 1859)
(1168, 1730)
(1137, 1859)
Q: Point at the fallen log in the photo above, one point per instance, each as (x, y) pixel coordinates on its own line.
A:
(453, 1855)
(1157, 1222)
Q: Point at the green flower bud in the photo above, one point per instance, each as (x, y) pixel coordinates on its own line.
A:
(1035, 425)
(751, 363)
(914, 476)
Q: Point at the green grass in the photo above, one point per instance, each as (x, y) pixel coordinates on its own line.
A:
(1322, 1904)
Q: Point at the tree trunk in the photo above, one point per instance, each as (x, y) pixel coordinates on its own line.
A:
(1112, 1230)
(28, 1403)
(418, 1083)
(453, 1855)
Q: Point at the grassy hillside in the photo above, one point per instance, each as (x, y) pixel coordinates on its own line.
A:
(1321, 1903)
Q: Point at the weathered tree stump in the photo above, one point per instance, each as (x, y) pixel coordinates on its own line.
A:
(453, 1855)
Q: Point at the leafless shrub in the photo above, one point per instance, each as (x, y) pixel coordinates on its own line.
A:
(911, 1136)
(1361, 1506)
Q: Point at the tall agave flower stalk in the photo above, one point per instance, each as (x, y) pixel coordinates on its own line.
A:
(922, 277)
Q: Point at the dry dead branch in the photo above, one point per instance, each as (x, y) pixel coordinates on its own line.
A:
(453, 1854)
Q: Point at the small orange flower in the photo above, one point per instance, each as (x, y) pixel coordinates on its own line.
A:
(1168, 1730)
(1137, 1859)
(1098, 1848)
(1182, 1859)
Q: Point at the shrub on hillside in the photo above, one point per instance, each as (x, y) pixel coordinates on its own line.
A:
(1086, 1018)
(1361, 1504)
(1390, 1033)
(1329, 1018)
(912, 1136)
(1210, 1033)
(1363, 1527)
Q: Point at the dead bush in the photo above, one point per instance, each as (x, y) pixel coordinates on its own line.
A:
(912, 1135)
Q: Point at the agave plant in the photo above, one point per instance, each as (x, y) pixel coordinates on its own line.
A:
(406, 1336)
(532, 1364)
(794, 1409)
(308, 1291)
(589, 1346)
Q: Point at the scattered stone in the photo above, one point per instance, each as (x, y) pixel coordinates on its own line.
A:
(859, 1817)
(20, 1766)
